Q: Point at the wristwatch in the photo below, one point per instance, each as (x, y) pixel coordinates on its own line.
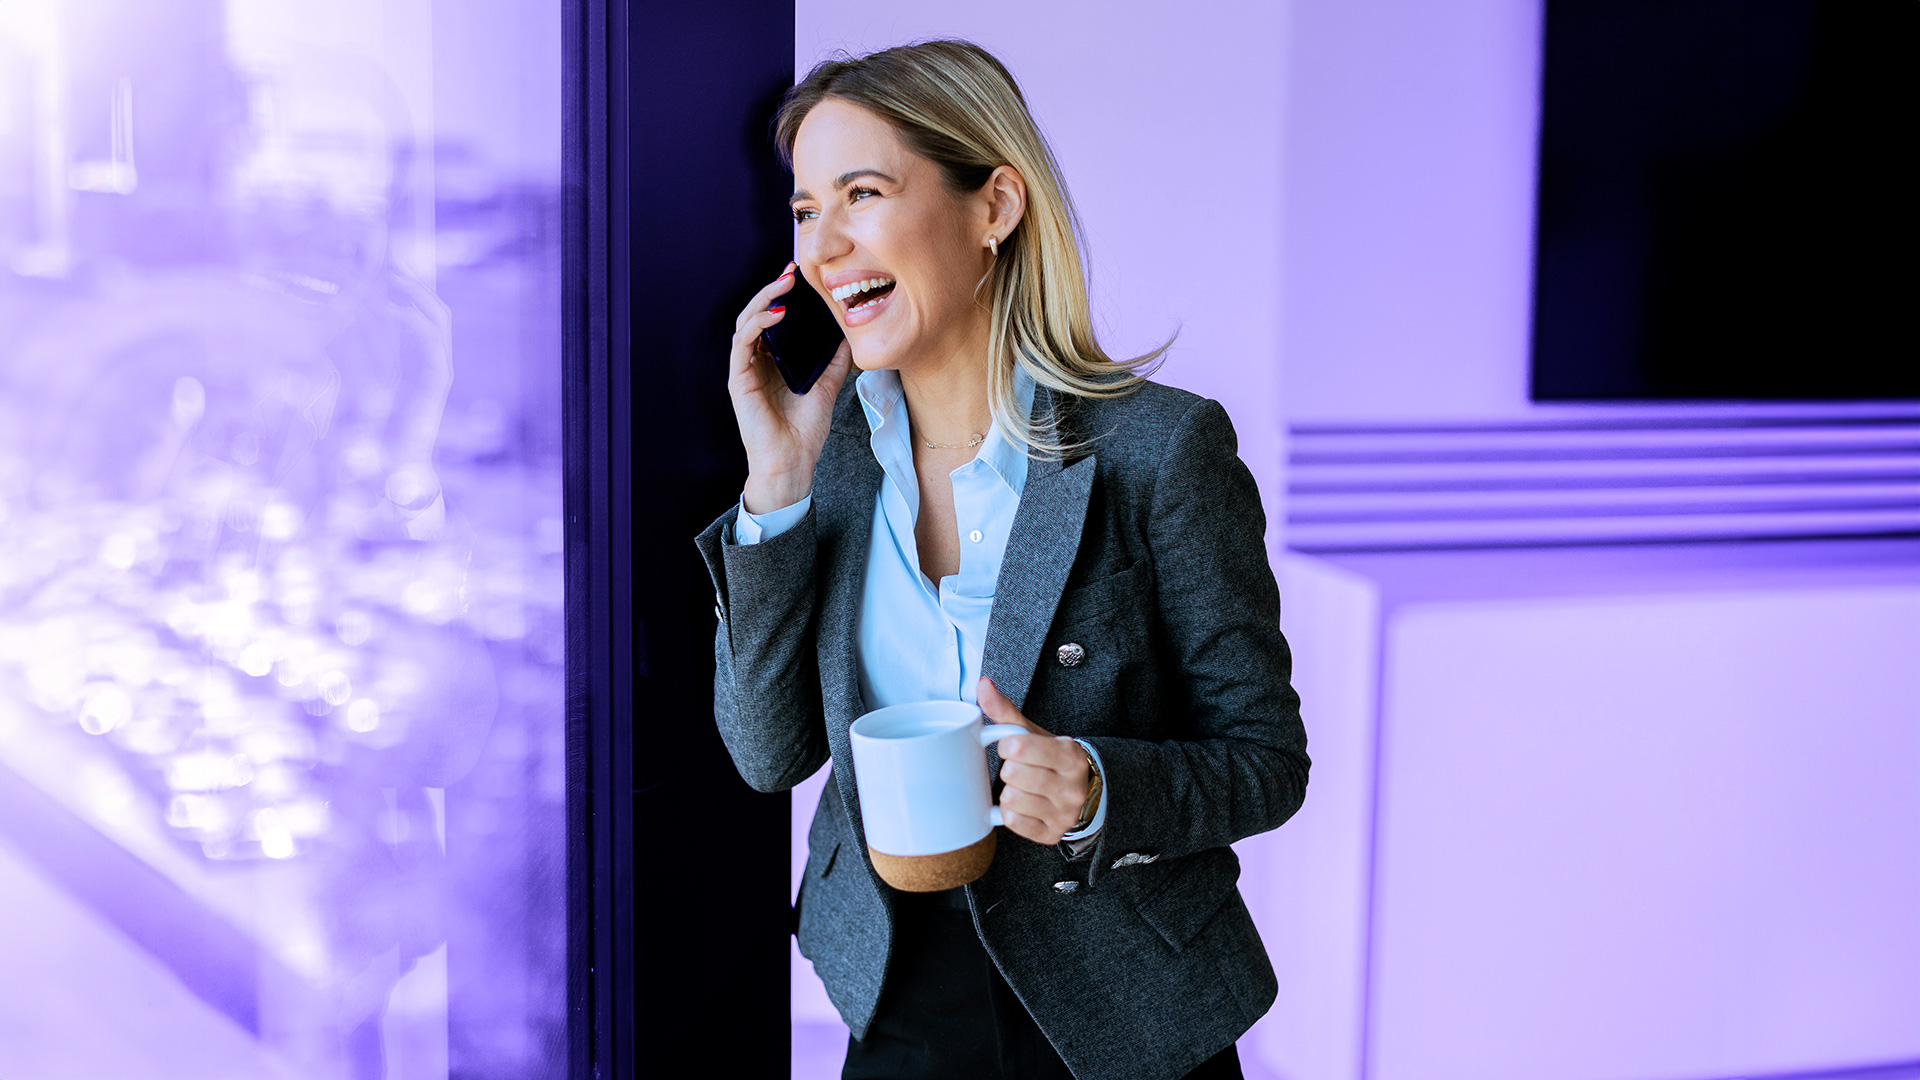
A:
(1092, 805)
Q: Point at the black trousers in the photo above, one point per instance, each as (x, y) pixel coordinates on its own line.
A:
(946, 1014)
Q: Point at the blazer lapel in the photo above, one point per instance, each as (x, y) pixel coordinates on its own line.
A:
(1040, 553)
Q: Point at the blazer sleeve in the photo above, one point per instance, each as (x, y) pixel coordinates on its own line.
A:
(1239, 767)
(766, 682)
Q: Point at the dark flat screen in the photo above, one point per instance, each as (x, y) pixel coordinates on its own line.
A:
(1727, 197)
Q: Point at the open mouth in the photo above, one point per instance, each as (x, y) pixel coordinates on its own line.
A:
(862, 295)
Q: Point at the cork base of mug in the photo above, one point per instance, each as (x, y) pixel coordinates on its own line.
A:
(934, 873)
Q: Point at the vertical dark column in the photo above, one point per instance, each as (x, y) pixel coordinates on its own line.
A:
(598, 452)
(676, 212)
(709, 224)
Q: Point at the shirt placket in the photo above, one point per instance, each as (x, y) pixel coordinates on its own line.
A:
(959, 605)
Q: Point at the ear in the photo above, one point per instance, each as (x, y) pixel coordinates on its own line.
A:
(1006, 197)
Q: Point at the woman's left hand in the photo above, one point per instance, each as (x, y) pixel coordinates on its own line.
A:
(1046, 775)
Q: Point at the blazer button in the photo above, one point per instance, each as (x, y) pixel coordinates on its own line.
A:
(1071, 654)
(1066, 886)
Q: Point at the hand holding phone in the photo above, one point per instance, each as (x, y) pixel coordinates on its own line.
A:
(782, 426)
(803, 343)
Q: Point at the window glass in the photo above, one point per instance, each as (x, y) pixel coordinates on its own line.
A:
(281, 702)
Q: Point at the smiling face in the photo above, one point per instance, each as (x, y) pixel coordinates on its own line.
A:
(897, 253)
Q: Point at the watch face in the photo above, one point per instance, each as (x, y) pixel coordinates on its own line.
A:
(1094, 784)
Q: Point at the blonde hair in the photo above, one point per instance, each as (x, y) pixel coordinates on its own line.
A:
(954, 104)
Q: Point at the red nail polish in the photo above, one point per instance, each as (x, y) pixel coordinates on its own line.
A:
(782, 307)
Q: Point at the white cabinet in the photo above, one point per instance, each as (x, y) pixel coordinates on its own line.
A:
(1647, 811)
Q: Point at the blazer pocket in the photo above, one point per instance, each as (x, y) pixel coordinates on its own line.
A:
(824, 833)
(823, 839)
(825, 862)
(1101, 595)
(1195, 890)
(819, 865)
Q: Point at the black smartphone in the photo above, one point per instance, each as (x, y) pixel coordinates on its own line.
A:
(804, 342)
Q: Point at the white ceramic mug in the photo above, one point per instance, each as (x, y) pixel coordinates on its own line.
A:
(925, 800)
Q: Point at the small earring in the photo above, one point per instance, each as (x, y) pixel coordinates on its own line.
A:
(993, 245)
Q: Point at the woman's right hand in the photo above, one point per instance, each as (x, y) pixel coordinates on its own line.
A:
(782, 431)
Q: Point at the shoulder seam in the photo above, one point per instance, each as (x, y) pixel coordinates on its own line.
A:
(1173, 440)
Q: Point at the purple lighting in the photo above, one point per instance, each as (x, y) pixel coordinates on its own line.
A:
(280, 640)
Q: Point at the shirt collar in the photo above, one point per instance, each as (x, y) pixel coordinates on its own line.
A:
(885, 405)
(1001, 453)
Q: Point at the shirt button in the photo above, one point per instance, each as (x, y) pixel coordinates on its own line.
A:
(974, 536)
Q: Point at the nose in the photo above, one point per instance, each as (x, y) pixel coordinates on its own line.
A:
(827, 240)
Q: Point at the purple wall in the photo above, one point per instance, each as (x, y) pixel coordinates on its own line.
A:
(1408, 208)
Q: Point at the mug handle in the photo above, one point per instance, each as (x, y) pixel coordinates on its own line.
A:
(990, 734)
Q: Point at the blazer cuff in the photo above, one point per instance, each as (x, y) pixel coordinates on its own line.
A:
(1128, 771)
(775, 573)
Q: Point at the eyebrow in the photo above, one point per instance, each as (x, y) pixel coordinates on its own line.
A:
(842, 181)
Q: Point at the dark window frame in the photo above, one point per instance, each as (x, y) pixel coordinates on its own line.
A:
(677, 933)
(597, 433)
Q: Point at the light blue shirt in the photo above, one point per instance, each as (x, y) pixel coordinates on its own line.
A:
(918, 641)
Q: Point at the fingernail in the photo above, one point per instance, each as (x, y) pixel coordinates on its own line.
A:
(782, 307)
(790, 267)
(786, 275)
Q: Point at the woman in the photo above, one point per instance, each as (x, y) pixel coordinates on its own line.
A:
(994, 510)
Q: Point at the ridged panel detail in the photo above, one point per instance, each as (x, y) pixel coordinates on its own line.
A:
(1608, 474)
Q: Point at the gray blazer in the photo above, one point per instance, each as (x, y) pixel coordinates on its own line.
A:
(1138, 960)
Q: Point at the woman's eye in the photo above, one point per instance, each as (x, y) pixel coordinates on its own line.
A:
(802, 215)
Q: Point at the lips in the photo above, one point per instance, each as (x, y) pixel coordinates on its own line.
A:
(862, 295)
(855, 295)
(870, 308)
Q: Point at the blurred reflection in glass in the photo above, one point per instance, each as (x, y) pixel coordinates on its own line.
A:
(281, 784)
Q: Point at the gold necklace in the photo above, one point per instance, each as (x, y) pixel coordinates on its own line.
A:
(976, 440)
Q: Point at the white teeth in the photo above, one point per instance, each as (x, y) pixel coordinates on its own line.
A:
(858, 287)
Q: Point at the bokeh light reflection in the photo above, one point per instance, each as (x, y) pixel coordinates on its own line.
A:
(279, 496)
